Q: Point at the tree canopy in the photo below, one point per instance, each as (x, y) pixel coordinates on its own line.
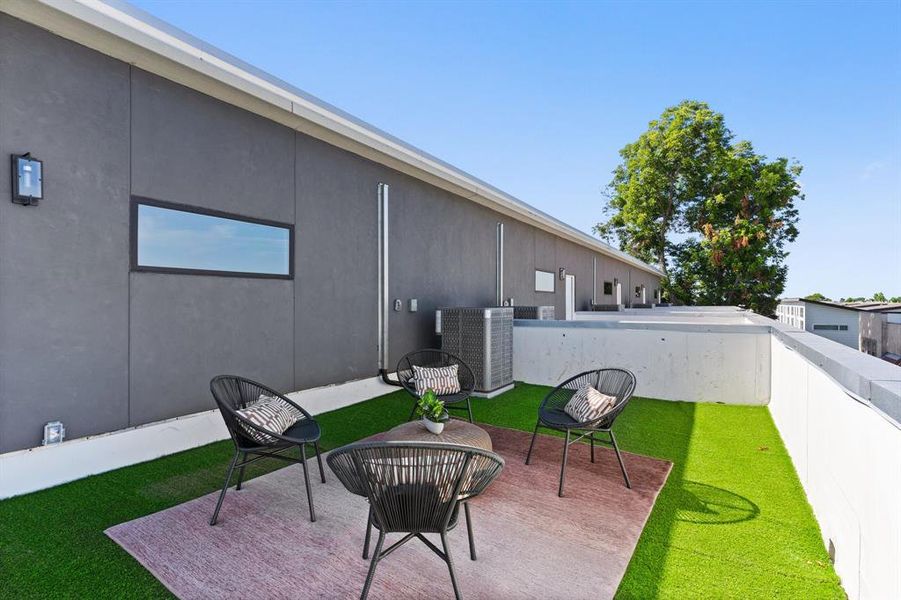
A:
(877, 297)
(713, 214)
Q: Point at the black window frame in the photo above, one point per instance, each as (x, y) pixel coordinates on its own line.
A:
(137, 201)
(608, 285)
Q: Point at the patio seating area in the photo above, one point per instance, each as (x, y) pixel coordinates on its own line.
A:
(731, 521)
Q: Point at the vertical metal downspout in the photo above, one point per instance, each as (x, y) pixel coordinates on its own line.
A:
(594, 280)
(499, 266)
(383, 279)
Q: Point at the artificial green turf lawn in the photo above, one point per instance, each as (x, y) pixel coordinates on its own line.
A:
(732, 520)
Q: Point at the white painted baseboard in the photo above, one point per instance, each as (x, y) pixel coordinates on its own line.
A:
(25, 471)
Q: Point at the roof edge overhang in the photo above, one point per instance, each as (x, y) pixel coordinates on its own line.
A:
(124, 32)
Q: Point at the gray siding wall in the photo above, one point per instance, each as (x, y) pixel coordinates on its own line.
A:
(84, 341)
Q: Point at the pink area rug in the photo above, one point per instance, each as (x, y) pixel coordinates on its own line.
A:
(530, 543)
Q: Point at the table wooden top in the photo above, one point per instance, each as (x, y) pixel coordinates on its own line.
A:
(458, 432)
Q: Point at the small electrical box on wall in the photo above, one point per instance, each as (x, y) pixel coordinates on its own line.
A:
(27, 179)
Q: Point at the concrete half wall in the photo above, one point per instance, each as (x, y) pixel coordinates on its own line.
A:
(689, 362)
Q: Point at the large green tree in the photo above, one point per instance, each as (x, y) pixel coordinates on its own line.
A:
(662, 174)
(713, 213)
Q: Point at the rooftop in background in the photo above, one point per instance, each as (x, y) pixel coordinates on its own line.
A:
(862, 306)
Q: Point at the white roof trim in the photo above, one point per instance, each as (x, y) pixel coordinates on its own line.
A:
(122, 31)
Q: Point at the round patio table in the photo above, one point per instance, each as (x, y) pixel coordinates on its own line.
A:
(461, 433)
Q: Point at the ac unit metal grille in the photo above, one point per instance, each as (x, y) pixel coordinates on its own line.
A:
(483, 338)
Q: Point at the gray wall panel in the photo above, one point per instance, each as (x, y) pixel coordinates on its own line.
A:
(64, 263)
(193, 149)
(336, 264)
(442, 253)
(185, 329)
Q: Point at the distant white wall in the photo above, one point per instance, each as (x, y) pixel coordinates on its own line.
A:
(696, 363)
(819, 314)
(848, 457)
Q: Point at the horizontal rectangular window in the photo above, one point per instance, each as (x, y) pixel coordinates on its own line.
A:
(180, 239)
(830, 328)
(544, 281)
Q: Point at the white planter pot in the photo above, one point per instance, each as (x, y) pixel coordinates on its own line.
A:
(432, 426)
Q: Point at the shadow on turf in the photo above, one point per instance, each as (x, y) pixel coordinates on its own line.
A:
(705, 504)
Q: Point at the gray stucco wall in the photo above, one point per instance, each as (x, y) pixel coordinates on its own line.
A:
(64, 263)
(85, 341)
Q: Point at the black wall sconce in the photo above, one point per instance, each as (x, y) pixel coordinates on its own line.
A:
(562, 273)
(27, 179)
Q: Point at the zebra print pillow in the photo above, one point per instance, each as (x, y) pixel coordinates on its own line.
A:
(271, 414)
(442, 380)
(588, 404)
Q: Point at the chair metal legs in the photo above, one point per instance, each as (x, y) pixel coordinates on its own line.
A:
(563, 466)
(241, 471)
(566, 444)
(534, 435)
(444, 553)
(622, 465)
(306, 480)
(469, 410)
(376, 556)
(472, 543)
(368, 534)
(469, 533)
(260, 454)
(450, 564)
(228, 477)
(319, 460)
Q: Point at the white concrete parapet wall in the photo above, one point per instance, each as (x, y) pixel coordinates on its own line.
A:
(848, 456)
(25, 471)
(710, 360)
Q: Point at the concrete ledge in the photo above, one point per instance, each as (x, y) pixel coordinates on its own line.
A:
(644, 323)
(864, 377)
(25, 471)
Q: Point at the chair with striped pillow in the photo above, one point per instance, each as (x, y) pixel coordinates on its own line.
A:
(447, 375)
(585, 405)
(263, 424)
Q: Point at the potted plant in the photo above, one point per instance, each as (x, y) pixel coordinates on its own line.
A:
(432, 410)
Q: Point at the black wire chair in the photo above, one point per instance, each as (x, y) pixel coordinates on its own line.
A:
(432, 358)
(613, 382)
(233, 393)
(414, 488)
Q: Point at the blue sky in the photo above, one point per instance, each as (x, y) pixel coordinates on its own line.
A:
(537, 98)
(185, 240)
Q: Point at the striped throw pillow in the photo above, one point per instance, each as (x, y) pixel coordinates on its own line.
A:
(442, 380)
(588, 404)
(272, 414)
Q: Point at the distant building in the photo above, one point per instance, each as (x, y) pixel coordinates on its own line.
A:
(880, 330)
(828, 319)
(871, 327)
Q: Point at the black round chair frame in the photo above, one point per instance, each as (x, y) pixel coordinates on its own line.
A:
(424, 499)
(233, 393)
(615, 382)
(433, 357)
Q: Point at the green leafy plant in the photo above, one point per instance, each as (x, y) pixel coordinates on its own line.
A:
(430, 407)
